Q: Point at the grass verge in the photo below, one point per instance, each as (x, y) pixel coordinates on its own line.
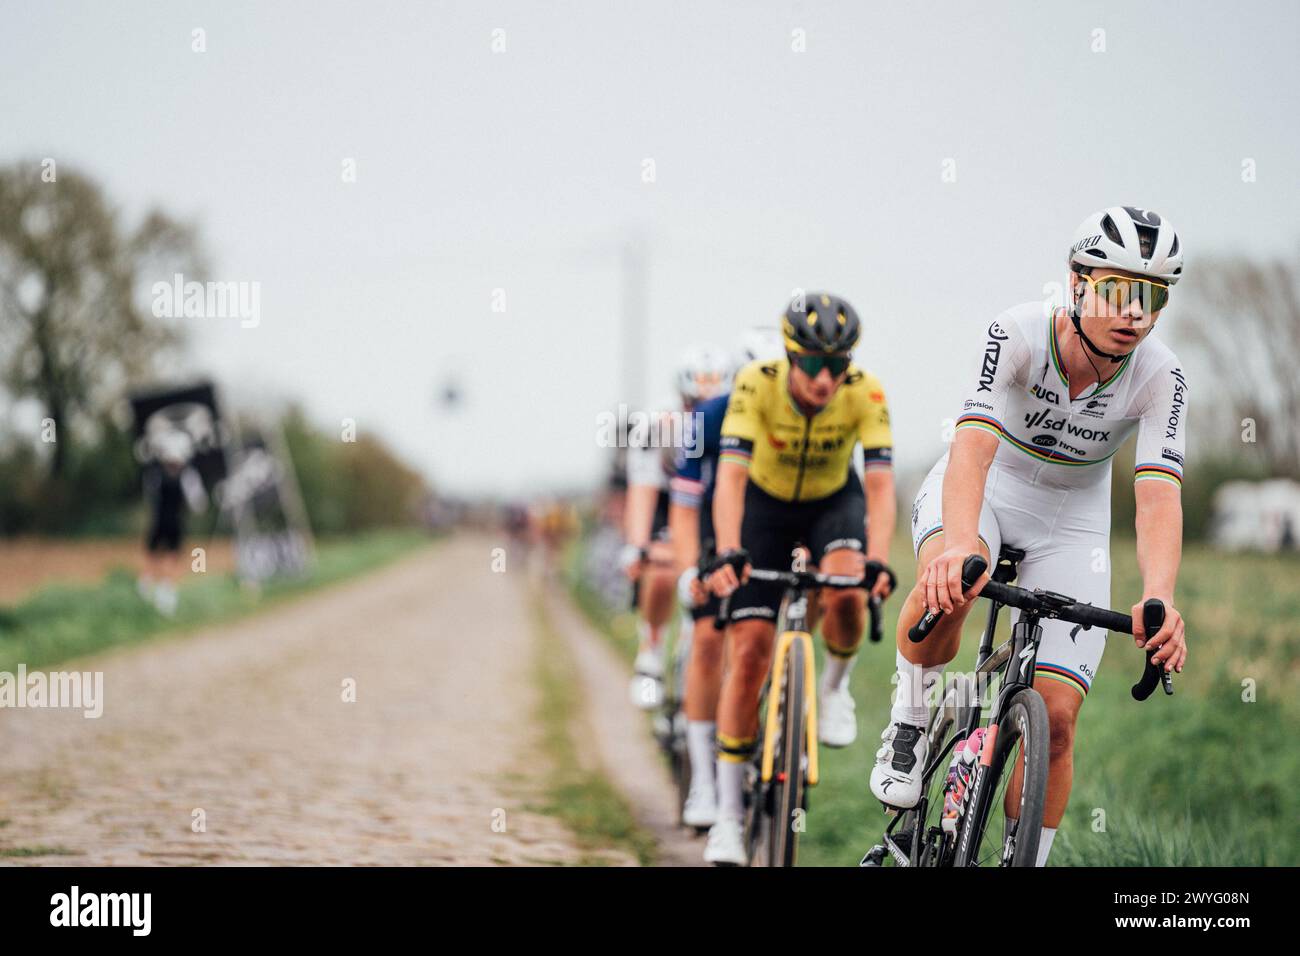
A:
(64, 621)
(580, 797)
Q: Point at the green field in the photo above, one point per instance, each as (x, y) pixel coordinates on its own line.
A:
(1197, 779)
(63, 621)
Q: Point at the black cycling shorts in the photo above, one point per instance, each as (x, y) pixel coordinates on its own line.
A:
(772, 528)
(165, 536)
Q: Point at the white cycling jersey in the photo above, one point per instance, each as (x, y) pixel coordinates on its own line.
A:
(652, 453)
(1022, 395)
(1048, 488)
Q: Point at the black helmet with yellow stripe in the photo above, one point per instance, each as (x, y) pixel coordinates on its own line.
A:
(820, 322)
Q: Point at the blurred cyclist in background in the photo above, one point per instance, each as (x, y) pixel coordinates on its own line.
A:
(647, 556)
(557, 524)
(690, 524)
(170, 484)
(518, 528)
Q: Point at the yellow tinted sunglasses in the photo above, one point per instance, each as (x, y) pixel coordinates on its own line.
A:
(1120, 291)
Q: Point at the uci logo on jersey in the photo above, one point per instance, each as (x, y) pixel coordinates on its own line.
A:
(1046, 394)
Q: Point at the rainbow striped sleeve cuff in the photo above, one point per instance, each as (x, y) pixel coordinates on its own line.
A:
(1155, 470)
(736, 456)
(685, 492)
(985, 422)
(739, 451)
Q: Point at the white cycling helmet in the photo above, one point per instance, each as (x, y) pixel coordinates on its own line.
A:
(1128, 238)
(761, 343)
(703, 372)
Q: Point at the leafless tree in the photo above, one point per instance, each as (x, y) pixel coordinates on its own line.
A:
(1243, 318)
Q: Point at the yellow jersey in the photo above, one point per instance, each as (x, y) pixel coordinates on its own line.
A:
(791, 456)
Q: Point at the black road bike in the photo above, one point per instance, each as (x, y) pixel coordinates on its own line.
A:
(1016, 732)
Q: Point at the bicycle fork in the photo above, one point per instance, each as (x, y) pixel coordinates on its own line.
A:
(810, 703)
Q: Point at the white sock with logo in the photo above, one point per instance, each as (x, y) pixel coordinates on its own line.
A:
(1045, 845)
(915, 683)
(700, 735)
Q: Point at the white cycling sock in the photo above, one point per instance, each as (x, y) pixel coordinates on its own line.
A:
(731, 794)
(647, 636)
(836, 675)
(699, 742)
(915, 684)
(1045, 845)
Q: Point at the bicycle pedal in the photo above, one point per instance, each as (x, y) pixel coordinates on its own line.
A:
(874, 857)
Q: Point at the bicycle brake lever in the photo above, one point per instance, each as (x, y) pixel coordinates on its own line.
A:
(1153, 618)
(874, 633)
(971, 569)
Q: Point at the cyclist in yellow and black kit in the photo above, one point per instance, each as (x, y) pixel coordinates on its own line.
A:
(785, 478)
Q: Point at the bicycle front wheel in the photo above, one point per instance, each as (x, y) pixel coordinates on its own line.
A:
(954, 714)
(787, 766)
(1019, 751)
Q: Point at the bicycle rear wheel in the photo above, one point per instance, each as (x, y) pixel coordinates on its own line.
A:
(788, 758)
(1022, 737)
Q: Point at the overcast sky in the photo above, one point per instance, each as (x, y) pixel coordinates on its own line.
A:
(523, 170)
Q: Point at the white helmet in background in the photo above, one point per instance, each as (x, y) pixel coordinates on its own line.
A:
(1128, 238)
(703, 372)
(759, 344)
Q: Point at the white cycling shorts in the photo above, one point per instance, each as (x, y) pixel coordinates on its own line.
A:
(1065, 534)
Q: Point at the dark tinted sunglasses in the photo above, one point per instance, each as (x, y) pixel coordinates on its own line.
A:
(811, 364)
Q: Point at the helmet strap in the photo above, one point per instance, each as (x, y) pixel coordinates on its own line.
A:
(1090, 347)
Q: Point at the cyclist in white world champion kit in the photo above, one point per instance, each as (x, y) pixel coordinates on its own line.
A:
(1053, 398)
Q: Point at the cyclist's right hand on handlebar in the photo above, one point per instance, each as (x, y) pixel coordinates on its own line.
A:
(942, 580)
(729, 570)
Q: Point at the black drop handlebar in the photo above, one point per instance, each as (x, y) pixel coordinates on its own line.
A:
(1050, 604)
(808, 580)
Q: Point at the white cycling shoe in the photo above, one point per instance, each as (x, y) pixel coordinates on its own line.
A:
(896, 777)
(647, 687)
(837, 722)
(165, 600)
(726, 846)
(701, 807)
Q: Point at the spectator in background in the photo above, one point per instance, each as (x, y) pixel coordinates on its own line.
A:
(170, 484)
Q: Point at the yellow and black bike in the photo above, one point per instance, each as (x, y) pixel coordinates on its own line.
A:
(786, 765)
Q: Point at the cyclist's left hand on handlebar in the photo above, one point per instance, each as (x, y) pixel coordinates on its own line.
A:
(885, 582)
(1170, 642)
